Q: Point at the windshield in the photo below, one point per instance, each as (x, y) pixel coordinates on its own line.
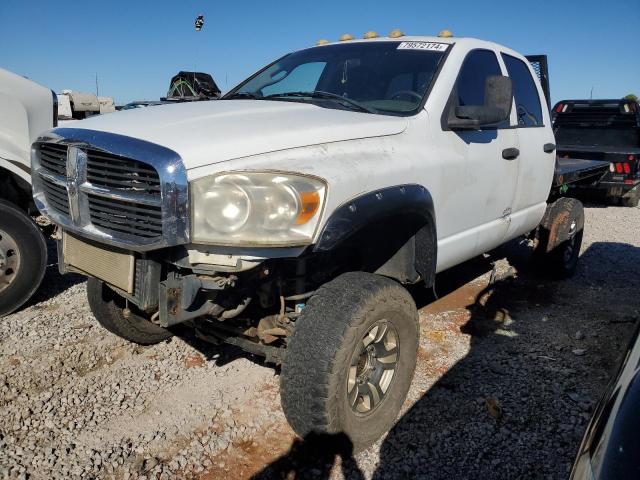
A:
(380, 77)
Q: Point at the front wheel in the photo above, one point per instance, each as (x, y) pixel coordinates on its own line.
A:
(23, 257)
(110, 310)
(351, 358)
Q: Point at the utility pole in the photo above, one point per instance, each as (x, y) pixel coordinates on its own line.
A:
(97, 89)
(591, 94)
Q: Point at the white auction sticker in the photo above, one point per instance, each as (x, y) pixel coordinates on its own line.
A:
(432, 46)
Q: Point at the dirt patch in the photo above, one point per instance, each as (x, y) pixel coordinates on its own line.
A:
(248, 458)
(194, 361)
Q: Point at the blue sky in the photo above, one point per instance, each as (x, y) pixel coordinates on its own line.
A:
(136, 46)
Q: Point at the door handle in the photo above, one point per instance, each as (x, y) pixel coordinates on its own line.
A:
(510, 153)
(549, 147)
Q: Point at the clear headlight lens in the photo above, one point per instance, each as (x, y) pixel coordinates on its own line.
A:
(256, 208)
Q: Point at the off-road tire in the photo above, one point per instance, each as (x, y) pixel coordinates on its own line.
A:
(107, 306)
(562, 260)
(314, 375)
(33, 257)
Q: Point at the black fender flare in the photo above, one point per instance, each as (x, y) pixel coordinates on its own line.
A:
(401, 215)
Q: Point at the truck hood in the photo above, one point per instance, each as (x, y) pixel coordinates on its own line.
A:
(204, 133)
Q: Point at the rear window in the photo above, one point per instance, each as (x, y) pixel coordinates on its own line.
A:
(525, 92)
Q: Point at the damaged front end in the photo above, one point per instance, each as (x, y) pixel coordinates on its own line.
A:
(253, 307)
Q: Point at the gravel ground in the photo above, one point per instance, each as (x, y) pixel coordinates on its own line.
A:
(508, 375)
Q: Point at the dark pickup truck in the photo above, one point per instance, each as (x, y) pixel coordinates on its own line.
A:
(605, 130)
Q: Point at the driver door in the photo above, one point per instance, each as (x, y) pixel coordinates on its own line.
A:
(483, 181)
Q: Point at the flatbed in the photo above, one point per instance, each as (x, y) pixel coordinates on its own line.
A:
(577, 170)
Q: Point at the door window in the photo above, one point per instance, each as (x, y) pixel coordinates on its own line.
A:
(525, 92)
(478, 65)
(470, 86)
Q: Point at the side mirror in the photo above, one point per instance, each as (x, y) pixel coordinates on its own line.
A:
(498, 94)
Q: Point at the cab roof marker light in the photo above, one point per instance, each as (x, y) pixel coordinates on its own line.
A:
(322, 41)
(370, 34)
(445, 33)
(396, 33)
(345, 37)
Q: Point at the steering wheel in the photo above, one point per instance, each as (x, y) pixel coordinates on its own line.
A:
(406, 92)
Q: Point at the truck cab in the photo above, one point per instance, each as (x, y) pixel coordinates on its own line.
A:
(287, 217)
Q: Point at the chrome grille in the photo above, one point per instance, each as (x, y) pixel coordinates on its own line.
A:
(56, 196)
(114, 189)
(54, 158)
(124, 217)
(111, 171)
(54, 161)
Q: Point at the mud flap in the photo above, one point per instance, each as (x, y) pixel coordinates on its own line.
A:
(563, 220)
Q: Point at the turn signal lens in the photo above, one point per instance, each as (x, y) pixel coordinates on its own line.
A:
(309, 205)
(627, 168)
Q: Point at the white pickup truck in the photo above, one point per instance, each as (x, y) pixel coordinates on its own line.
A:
(287, 217)
(26, 110)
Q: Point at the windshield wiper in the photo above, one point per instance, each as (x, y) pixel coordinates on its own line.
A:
(243, 95)
(324, 96)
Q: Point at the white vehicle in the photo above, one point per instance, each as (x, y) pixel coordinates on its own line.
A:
(26, 110)
(286, 217)
(79, 105)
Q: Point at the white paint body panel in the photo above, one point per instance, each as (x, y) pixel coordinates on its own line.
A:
(26, 110)
(481, 200)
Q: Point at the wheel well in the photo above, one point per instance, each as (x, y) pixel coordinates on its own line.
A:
(16, 190)
(390, 232)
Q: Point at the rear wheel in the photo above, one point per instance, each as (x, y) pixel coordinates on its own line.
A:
(23, 257)
(631, 199)
(351, 358)
(560, 237)
(110, 310)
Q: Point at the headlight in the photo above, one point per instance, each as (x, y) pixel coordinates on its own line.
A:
(256, 208)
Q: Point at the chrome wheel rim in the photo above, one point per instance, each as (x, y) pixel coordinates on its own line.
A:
(9, 260)
(373, 367)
